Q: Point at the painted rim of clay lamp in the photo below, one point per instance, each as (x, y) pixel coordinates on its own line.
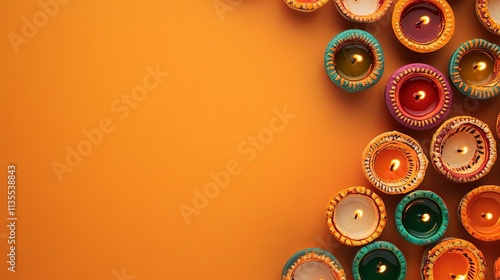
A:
(378, 245)
(305, 6)
(483, 14)
(313, 254)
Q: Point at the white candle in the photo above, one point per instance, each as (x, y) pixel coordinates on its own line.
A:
(494, 9)
(459, 149)
(356, 216)
(361, 7)
(313, 270)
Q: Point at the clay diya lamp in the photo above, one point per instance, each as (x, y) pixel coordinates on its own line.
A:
(479, 213)
(363, 10)
(394, 163)
(453, 258)
(463, 149)
(424, 25)
(418, 96)
(356, 216)
(475, 69)
(313, 263)
(488, 13)
(421, 217)
(379, 260)
(305, 5)
(354, 60)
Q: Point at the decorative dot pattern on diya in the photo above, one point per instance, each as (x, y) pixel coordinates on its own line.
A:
(394, 163)
(496, 269)
(312, 262)
(423, 26)
(421, 217)
(475, 69)
(305, 5)
(356, 216)
(456, 254)
(418, 96)
(379, 260)
(479, 213)
(354, 60)
(463, 149)
(498, 125)
(489, 18)
(363, 11)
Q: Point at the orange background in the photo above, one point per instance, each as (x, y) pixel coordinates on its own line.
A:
(117, 213)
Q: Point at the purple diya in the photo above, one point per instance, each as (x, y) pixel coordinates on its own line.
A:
(418, 96)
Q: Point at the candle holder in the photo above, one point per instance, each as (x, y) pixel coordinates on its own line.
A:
(489, 18)
(313, 263)
(479, 213)
(423, 26)
(463, 149)
(378, 261)
(422, 217)
(354, 60)
(305, 5)
(394, 163)
(363, 11)
(475, 69)
(356, 216)
(418, 96)
(453, 258)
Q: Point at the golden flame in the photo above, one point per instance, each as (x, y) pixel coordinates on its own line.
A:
(358, 213)
(357, 58)
(487, 216)
(395, 164)
(425, 217)
(423, 20)
(420, 95)
(462, 150)
(458, 277)
(480, 66)
(381, 268)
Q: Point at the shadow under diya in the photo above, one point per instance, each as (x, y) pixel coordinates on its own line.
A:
(488, 13)
(305, 5)
(463, 149)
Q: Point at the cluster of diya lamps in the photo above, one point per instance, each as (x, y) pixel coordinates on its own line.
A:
(418, 96)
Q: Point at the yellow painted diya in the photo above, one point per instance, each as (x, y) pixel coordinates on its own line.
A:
(305, 5)
(394, 163)
(356, 216)
(424, 25)
(463, 149)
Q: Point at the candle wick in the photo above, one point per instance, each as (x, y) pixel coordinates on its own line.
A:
(423, 20)
(419, 24)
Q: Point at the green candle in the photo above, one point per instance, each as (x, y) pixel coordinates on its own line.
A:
(380, 264)
(422, 217)
(477, 67)
(353, 61)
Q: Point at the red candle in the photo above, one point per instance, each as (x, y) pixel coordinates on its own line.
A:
(419, 96)
(422, 22)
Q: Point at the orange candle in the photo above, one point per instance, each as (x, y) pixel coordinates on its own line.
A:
(479, 213)
(391, 165)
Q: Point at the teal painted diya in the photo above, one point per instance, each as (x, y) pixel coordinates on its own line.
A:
(354, 60)
(313, 263)
(379, 260)
(475, 69)
(421, 217)
(305, 5)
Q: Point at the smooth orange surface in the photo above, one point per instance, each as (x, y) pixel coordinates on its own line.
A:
(245, 115)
